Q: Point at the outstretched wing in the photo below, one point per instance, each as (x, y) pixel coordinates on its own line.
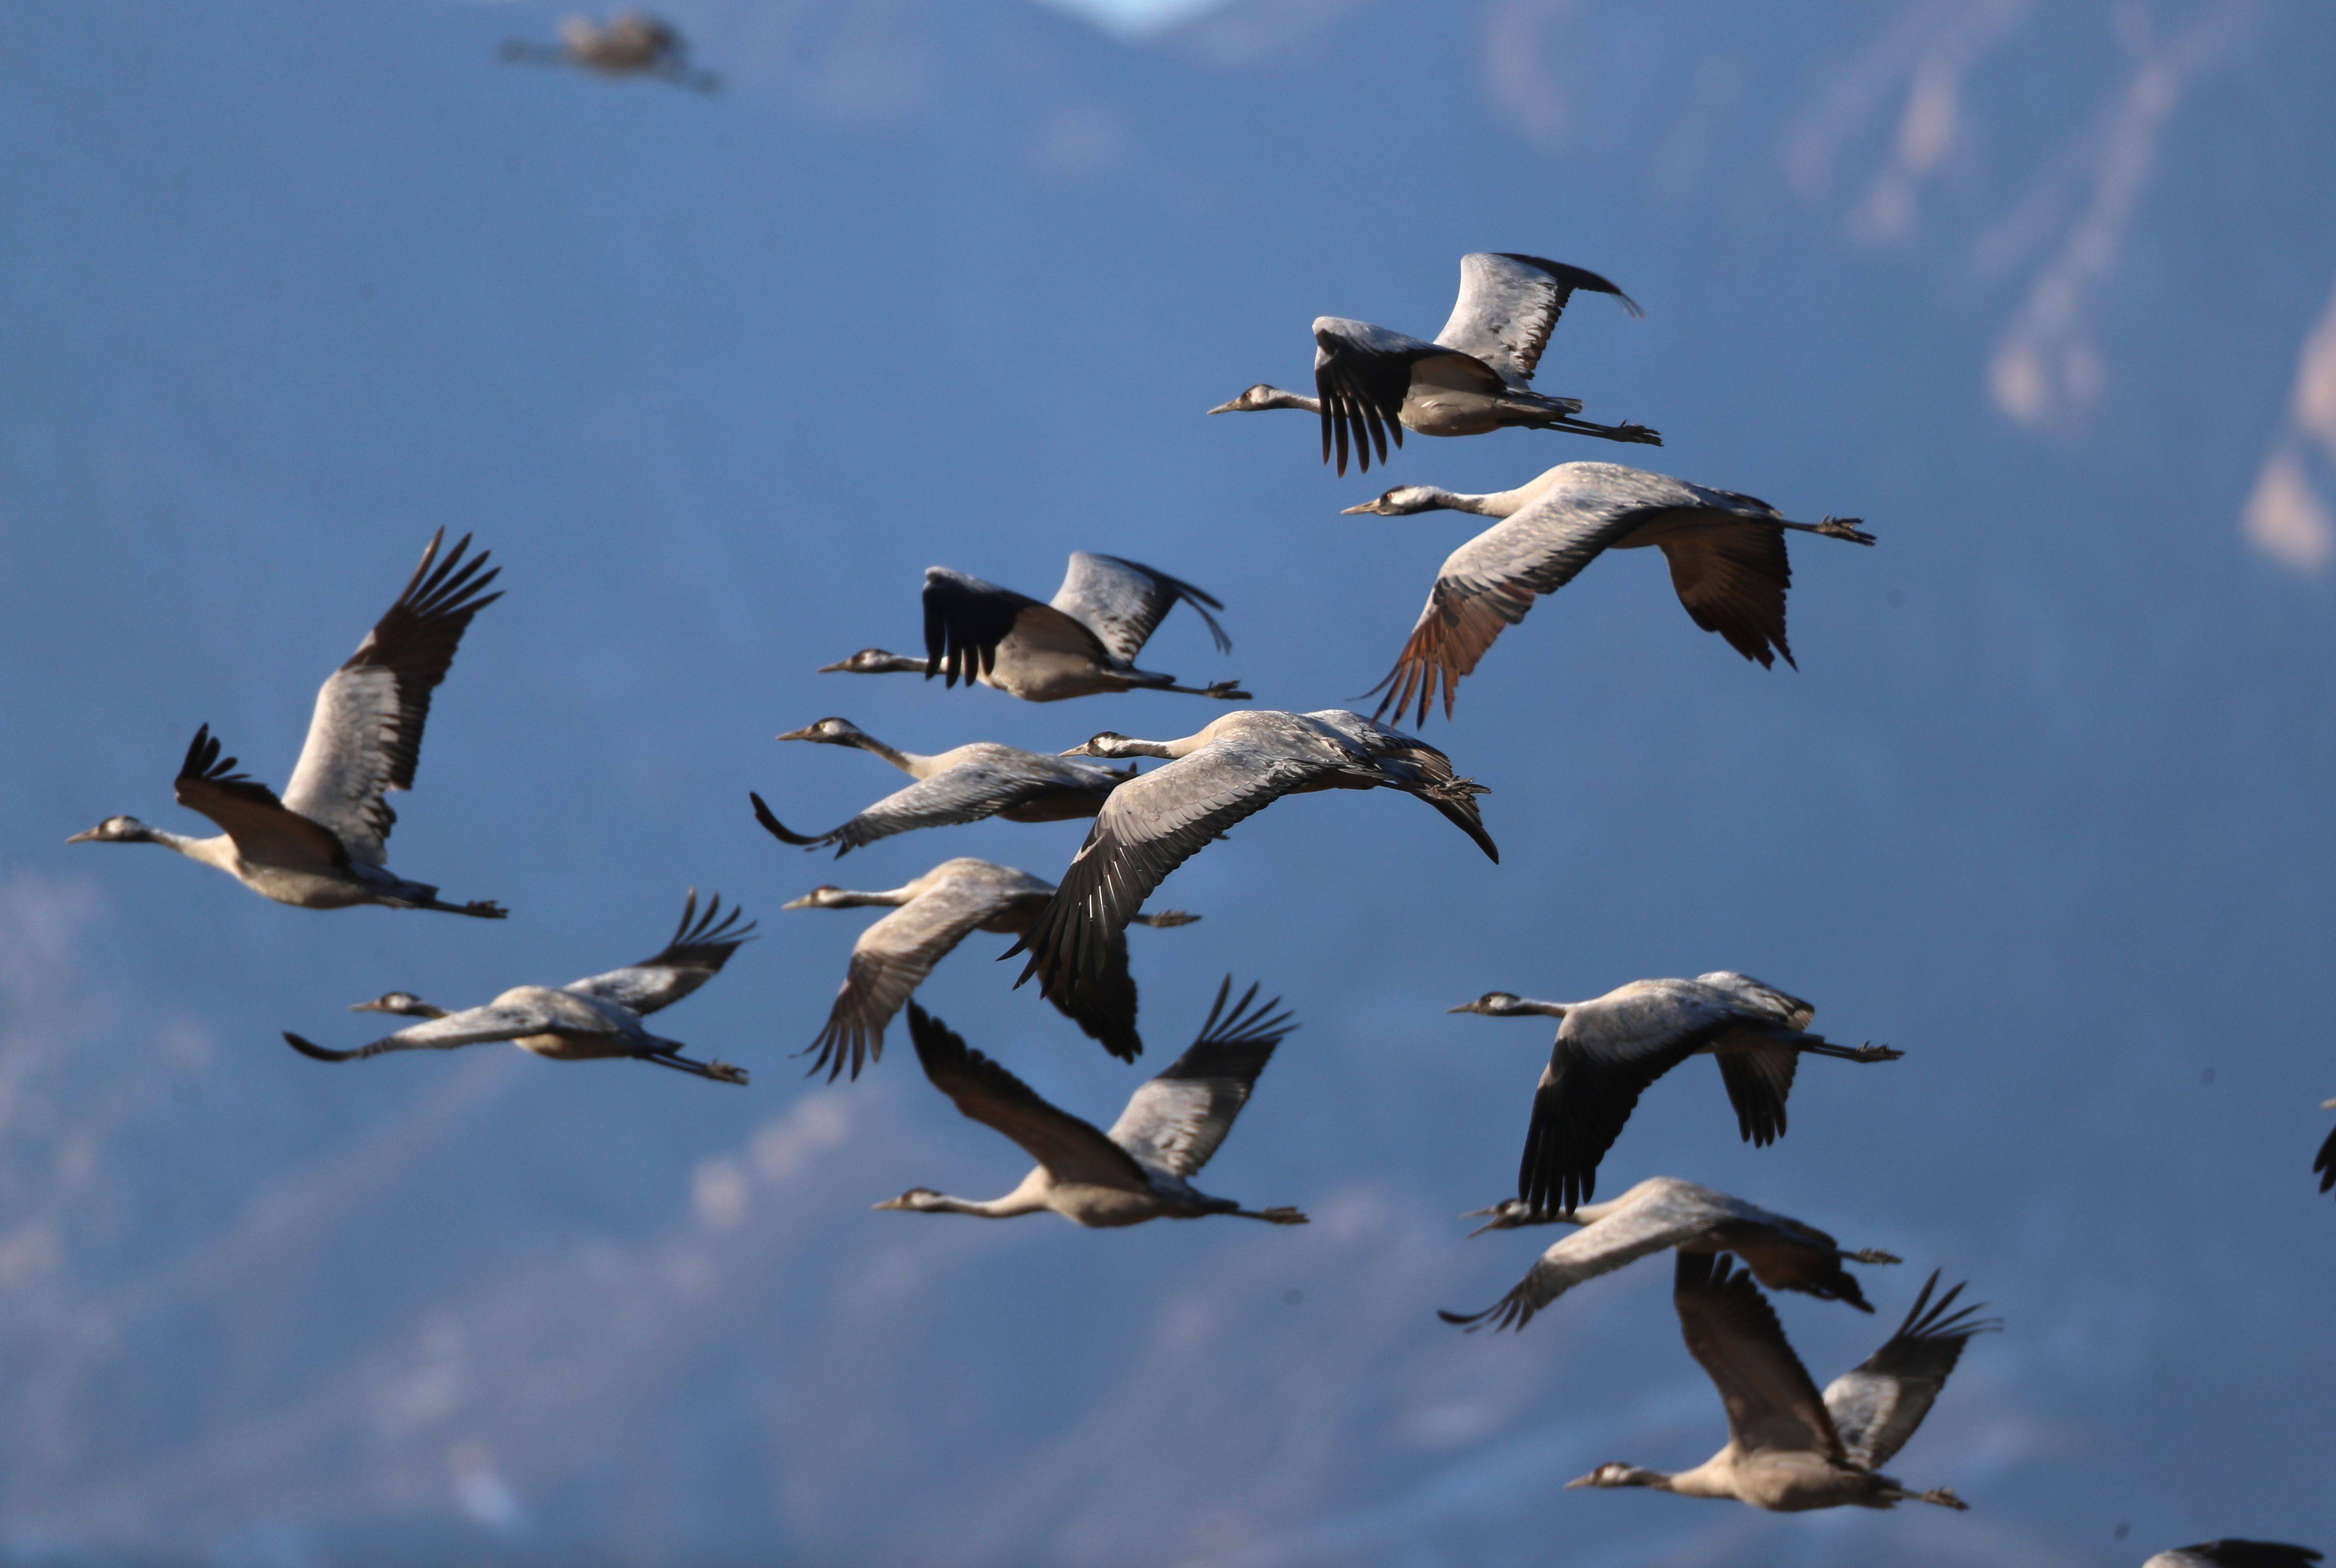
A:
(967, 618)
(2325, 1163)
(1657, 1212)
(1363, 372)
(701, 945)
(1175, 1120)
(1124, 602)
(264, 832)
(1731, 1327)
(1148, 828)
(1508, 305)
(1489, 583)
(1732, 580)
(892, 960)
(965, 793)
(1413, 764)
(365, 736)
(1607, 1053)
(471, 1027)
(1877, 1406)
(1757, 1070)
(1072, 1150)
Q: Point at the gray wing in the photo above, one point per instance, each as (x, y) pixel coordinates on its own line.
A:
(471, 1027)
(1731, 1327)
(1657, 1214)
(1489, 583)
(1877, 1406)
(892, 960)
(967, 618)
(1148, 828)
(2235, 1554)
(365, 736)
(1509, 305)
(1732, 579)
(1606, 1054)
(1757, 1069)
(1414, 765)
(1176, 1121)
(965, 793)
(1757, 996)
(1124, 602)
(1071, 1149)
(701, 945)
(1758, 1060)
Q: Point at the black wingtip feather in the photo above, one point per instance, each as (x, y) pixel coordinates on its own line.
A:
(313, 1051)
(778, 829)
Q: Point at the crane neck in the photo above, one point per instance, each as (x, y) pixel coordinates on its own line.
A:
(1498, 504)
(217, 851)
(1525, 1008)
(1012, 1205)
(846, 898)
(905, 761)
(1126, 746)
(1279, 397)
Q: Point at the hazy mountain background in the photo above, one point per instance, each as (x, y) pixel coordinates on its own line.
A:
(2043, 291)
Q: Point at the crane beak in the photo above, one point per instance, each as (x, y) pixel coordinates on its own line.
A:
(1466, 1008)
(83, 838)
(806, 732)
(374, 1006)
(804, 902)
(2328, 1105)
(1227, 407)
(842, 666)
(1589, 1480)
(1372, 507)
(1085, 748)
(889, 1203)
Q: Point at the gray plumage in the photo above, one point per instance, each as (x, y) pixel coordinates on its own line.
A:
(1660, 1213)
(1084, 644)
(1790, 1449)
(595, 1018)
(963, 784)
(1142, 1168)
(2231, 1553)
(1236, 767)
(325, 844)
(930, 916)
(1727, 554)
(1610, 1048)
(1370, 383)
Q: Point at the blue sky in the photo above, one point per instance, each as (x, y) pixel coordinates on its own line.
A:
(2041, 292)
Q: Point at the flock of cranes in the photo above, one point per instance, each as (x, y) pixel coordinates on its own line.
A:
(322, 844)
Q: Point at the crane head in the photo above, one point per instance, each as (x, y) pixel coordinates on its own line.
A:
(817, 899)
(874, 661)
(404, 1003)
(1260, 396)
(1402, 501)
(831, 731)
(115, 831)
